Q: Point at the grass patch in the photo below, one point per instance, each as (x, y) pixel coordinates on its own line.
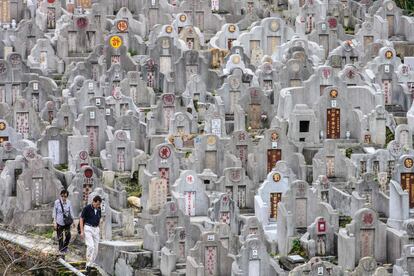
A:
(132, 186)
(389, 136)
(348, 152)
(62, 167)
(343, 221)
(297, 249)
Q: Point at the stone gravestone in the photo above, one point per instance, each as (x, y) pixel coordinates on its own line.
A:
(190, 194)
(364, 237)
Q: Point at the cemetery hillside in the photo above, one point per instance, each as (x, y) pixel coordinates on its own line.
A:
(207, 137)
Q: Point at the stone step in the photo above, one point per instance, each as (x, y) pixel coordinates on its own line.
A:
(400, 120)
(179, 266)
(179, 272)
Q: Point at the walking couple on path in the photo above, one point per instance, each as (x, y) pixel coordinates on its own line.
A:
(88, 228)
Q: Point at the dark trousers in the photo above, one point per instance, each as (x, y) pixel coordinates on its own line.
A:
(60, 230)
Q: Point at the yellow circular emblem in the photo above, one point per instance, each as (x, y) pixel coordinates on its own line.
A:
(115, 42)
(2, 126)
(408, 163)
(276, 177)
(169, 29)
(235, 59)
(183, 18)
(211, 140)
(389, 54)
(334, 93)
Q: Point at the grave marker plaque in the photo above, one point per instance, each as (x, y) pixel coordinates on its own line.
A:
(407, 184)
(301, 212)
(190, 203)
(22, 124)
(367, 242)
(53, 147)
(210, 261)
(273, 156)
(333, 123)
(92, 132)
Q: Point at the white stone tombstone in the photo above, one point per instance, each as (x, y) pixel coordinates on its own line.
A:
(216, 127)
(53, 147)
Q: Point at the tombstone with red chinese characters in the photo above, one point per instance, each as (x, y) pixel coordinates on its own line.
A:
(225, 210)
(175, 251)
(120, 104)
(80, 36)
(257, 106)
(190, 194)
(273, 147)
(209, 254)
(126, 26)
(84, 182)
(42, 57)
(297, 210)
(331, 162)
(49, 13)
(270, 195)
(163, 226)
(26, 120)
(364, 236)
(327, 31)
(183, 124)
(165, 163)
(319, 239)
(119, 152)
(92, 122)
(8, 133)
(133, 127)
(238, 186)
(37, 188)
(141, 93)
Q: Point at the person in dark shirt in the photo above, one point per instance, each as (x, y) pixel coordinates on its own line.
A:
(89, 230)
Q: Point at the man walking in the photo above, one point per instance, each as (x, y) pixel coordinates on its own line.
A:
(89, 230)
(62, 216)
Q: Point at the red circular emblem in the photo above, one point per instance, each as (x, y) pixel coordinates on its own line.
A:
(122, 26)
(83, 155)
(164, 152)
(88, 173)
(51, 1)
(332, 22)
(168, 99)
(82, 23)
(367, 218)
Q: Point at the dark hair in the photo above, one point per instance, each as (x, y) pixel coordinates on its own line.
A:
(97, 198)
(64, 192)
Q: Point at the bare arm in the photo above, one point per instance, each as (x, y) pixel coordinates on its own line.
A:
(81, 223)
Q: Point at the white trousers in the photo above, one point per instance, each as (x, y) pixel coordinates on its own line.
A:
(92, 242)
